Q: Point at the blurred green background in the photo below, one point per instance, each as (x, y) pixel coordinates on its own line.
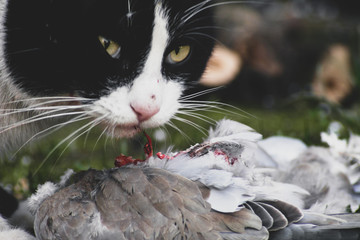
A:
(284, 50)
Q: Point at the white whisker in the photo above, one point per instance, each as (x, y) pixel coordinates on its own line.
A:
(208, 27)
(197, 6)
(9, 112)
(98, 139)
(194, 125)
(217, 105)
(197, 94)
(87, 135)
(167, 134)
(171, 124)
(195, 108)
(106, 141)
(196, 11)
(36, 119)
(67, 98)
(57, 101)
(205, 35)
(198, 116)
(93, 124)
(66, 139)
(220, 111)
(53, 128)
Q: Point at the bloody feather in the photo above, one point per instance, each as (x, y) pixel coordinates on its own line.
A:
(123, 160)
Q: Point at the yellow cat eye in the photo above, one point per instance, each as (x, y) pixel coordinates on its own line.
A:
(179, 54)
(111, 47)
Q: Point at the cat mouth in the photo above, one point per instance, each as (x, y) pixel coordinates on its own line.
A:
(124, 130)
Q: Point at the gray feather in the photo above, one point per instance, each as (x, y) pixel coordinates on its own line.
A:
(280, 221)
(266, 218)
(148, 203)
(248, 235)
(322, 227)
(292, 213)
(137, 203)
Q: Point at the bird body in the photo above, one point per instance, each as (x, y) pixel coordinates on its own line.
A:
(218, 189)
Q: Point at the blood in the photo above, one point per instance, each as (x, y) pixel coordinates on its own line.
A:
(123, 160)
(163, 156)
(229, 160)
(148, 149)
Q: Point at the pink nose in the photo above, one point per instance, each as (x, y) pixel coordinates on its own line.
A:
(144, 111)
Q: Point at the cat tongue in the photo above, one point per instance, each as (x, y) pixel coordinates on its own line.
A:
(123, 160)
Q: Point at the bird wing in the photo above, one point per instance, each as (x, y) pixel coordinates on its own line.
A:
(138, 203)
(212, 190)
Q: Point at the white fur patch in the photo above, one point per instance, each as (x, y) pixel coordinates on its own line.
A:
(150, 89)
(7, 232)
(65, 177)
(44, 191)
(4, 226)
(17, 234)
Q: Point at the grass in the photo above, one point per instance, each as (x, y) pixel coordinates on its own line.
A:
(302, 118)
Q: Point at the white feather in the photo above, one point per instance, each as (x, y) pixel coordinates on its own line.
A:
(282, 149)
(228, 200)
(44, 191)
(231, 183)
(226, 127)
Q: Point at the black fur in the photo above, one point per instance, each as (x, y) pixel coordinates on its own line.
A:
(52, 46)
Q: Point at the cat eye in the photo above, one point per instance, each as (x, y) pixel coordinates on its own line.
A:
(179, 54)
(111, 47)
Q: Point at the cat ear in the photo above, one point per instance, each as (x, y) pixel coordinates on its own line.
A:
(223, 65)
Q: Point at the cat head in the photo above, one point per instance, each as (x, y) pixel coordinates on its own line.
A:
(128, 60)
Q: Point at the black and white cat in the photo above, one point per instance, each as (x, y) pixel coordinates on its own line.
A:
(122, 64)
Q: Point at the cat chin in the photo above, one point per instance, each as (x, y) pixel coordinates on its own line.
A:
(124, 131)
(130, 130)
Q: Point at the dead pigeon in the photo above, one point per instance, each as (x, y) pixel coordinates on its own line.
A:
(214, 190)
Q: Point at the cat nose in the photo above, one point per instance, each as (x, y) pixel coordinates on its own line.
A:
(144, 111)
